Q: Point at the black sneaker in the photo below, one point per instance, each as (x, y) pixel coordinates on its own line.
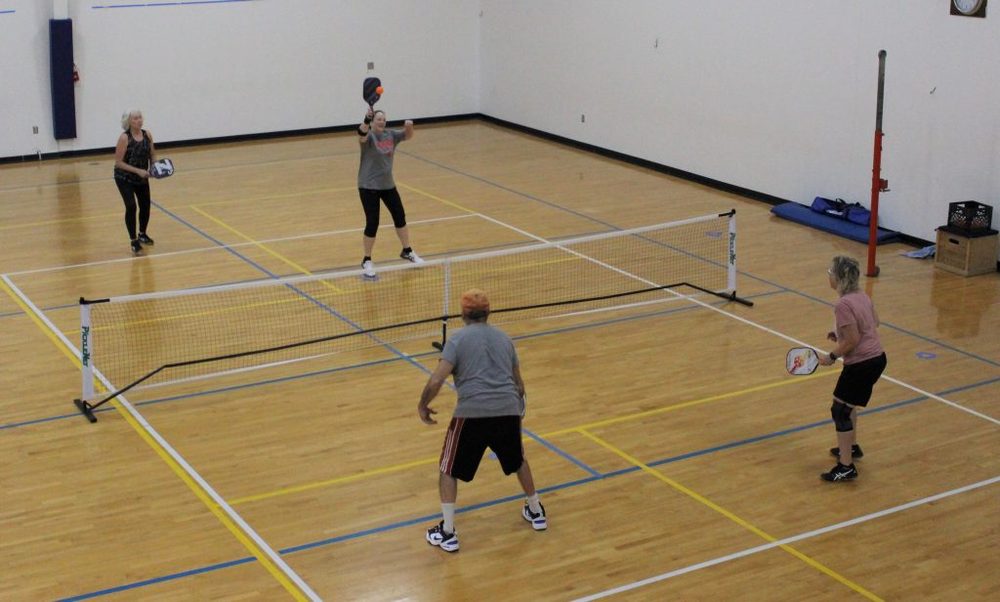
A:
(145, 239)
(840, 473)
(437, 536)
(855, 452)
(136, 247)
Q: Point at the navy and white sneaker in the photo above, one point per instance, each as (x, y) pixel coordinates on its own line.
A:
(840, 473)
(411, 255)
(538, 521)
(437, 536)
(144, 239)
(136, 247)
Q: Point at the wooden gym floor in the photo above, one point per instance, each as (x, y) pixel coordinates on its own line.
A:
(676, 458)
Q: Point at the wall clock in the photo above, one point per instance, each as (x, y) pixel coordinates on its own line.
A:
(968, 8)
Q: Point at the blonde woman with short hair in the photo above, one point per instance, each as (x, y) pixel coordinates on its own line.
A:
(857, 342)
(134, 154)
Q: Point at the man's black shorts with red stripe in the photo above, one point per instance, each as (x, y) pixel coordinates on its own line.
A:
(468, 438)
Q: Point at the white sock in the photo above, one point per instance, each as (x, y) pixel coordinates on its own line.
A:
(533, 504)
(448, 510)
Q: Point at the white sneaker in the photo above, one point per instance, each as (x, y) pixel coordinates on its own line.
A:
(368, 268)
(538, 521)
(437, 536)
(412, 256)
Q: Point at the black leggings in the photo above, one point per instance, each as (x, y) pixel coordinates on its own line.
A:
(133, 194)
(370, 199)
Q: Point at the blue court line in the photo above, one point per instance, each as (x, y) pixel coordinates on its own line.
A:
(8, 12)
(158, 4)
(373, 337)
(612, 226)
(899, 329)
(510, 190)
(746, 274)
(313, 300)
(368, 364)
(320, 272)
(560, 452)
(173, 576)
(559, 207)
(503, 188)
(507, 499)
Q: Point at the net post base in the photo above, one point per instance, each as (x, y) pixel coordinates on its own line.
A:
(86, 409)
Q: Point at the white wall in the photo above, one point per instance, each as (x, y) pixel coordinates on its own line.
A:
(774, 96)
(209, 70)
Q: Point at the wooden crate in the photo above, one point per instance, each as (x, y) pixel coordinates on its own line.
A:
(964, 255)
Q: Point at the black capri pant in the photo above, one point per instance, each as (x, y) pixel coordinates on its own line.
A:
(370, 201)
(135, 194)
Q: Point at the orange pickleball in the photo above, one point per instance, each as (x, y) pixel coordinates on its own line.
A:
(378, 90)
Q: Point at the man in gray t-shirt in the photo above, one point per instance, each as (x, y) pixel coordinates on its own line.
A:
(486, 372)
(490, 406)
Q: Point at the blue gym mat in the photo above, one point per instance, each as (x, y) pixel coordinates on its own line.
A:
(828, 223)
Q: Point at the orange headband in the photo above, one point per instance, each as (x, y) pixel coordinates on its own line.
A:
(475, 300)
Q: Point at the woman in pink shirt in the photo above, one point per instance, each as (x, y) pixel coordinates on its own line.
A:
(857, 342)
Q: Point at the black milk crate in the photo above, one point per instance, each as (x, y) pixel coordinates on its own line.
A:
(970, 216)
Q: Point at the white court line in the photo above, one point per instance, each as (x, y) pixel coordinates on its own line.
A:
(274, 364)
(217, 247)
(753, 324)
(598, 310)
(788, 540)
(793, 539)
(189, 170)
(188, 469)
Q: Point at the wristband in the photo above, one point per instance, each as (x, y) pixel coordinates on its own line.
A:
(833, 356)
(367, 120)
(361, 132)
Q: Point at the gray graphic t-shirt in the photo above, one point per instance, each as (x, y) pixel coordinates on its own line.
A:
(484, 358)
(377, 151)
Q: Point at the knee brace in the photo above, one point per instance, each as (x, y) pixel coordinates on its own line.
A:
(841, 413)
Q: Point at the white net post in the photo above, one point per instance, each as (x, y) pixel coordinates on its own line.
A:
(87, 370)
(731, 262)
(446, 292)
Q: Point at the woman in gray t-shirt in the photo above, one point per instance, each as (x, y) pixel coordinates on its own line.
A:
(375, 183)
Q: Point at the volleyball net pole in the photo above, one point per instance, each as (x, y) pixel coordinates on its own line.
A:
(878, 184)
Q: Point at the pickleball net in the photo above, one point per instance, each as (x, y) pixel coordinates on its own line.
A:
(134, 342)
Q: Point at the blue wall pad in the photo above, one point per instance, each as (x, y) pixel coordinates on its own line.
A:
(828, 223)
(61, 73)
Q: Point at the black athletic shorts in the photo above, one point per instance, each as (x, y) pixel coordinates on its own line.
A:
(857, 380)
(468, 438)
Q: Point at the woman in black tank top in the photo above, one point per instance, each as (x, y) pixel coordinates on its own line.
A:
(133, 156)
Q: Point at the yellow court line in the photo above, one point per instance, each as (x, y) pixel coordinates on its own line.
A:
(736, 519)
(189, 315)
(687, 404)
(265, 248)
(269, 197)
(574, 429)
(437, 198)
(337, 481)
(198, 491)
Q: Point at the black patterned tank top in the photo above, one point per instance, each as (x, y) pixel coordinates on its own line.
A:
(136, 155)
